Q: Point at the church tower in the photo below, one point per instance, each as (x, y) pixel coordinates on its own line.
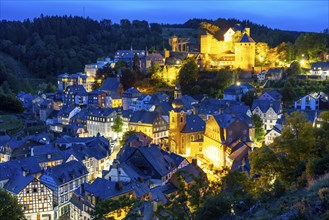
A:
(177, 122)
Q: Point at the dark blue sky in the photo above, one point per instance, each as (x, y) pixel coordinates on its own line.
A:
(282, 14)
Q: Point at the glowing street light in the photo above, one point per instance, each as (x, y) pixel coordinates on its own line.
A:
(261, 63)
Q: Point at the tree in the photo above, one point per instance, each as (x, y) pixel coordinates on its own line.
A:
(248, 98)
(294, 69)
(259, 131)
(125, 137)
(188, 75)
(9, 207)
(103, 207)
(288, 93)
(128, 78)
(136, 64)
(117, 125)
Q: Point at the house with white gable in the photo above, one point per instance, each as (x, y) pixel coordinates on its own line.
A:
(143, 102)
(320, 69)
(313, 101)
(269, 111)
(272, 95)
(271, 135)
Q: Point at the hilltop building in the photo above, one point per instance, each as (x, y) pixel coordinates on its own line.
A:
(234, 48)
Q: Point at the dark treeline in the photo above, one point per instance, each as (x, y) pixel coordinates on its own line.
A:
(52, 45)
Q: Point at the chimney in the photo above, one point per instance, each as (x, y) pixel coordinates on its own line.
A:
(118, 185)
(195, 162)
(24, 172)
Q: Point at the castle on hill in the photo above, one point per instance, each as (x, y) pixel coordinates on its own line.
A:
(233, 48)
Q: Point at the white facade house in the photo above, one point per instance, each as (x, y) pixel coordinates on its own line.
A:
(66, 113)
(311, 101)
(271, 135)
(320, 69)
(63, 180)
(142, 103)
(261, 76)
(100, 121)
(129, 97)
(268, 111)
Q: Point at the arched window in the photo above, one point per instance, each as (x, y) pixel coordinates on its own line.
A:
(192, 137)
(181, 119)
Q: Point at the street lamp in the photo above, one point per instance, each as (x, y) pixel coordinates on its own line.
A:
(261, 63)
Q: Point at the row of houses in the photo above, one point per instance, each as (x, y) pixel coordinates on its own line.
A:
(68, 176)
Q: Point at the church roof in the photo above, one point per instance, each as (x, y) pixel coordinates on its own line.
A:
(246, 39)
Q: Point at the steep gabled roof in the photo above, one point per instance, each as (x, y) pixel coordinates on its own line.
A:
(18, 183)
(110, 84)
(194, 124)
(105, 189)
(65, 172)
(246, 39)
(264, 105)
(144, 117)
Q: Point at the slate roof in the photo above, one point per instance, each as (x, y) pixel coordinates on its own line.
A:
(88, 141)
(177, 159)
(323, 65)
(80, 151)
(110, 84)
(190, 172)
(264, 105)
(46, 153)
(105, 189)
(66, 110)
(77, 89)
(138, 139)
(188, 101)
(65, 172)
(131, 92)
(225, 120)
(194, 124)
(152, 155)
(274, 94)
(311, 115)
(274, 70)
(15, 167)
(233, 90)
(115, 96)
(101, 112)
(144, 117)
(18, 183)
(163, 108)
(246, 39)
(163, 97)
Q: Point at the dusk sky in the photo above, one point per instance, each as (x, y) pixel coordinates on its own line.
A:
(287, 15)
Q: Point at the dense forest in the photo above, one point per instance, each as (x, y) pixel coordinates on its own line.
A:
(48, 46)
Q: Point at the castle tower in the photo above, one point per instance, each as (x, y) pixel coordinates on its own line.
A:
(173, 42)
(177, 118)
(245, 51)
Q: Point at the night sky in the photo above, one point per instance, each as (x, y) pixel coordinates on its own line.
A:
(287, 15)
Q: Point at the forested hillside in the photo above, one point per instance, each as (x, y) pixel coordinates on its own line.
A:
(48, 46)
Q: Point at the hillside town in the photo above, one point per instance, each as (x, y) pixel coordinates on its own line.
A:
(94, 140)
